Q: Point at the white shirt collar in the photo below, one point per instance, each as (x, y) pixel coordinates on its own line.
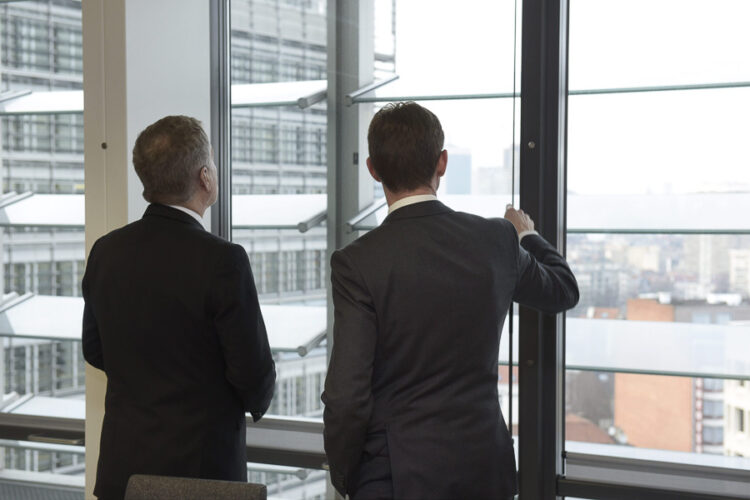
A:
(410, 200)
(190, 212)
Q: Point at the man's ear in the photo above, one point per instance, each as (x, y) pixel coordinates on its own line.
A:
(204, 178)
(372, 171)
(442, 163)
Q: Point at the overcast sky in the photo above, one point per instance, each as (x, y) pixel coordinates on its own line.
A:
(635, 143)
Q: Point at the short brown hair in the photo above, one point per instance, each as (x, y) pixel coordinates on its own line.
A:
(166, 155)
(405, 141)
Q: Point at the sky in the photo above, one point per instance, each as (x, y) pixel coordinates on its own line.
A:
(665, 142)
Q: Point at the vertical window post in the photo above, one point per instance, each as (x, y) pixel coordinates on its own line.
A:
(350, 67)
(221, 116)
(542, 187)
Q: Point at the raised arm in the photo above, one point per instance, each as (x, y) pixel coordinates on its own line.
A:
(545, 281)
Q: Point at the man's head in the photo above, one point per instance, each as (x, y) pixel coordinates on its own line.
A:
(406, 147)
(172, 157)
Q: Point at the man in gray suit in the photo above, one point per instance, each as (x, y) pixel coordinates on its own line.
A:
(411, 394)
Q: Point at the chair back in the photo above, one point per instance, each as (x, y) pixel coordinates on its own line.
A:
(145, 487)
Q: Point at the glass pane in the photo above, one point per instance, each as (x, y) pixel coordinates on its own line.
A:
(446, 47)
(41, 231)
(279, 155)
(658, 304)
(289, 482)
(55, 459)
(659, 143)
(633, 411)
(656, 346)
(677, 42)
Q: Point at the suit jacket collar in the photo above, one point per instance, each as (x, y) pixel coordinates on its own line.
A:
(421, 209)
(158, 210)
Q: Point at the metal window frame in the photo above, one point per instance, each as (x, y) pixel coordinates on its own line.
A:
(542, 189)
(543, 195)
(610, 491)
(221, 114)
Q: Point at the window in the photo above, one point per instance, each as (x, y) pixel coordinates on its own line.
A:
(664, 290)
(739, 420)
(713, 409)
(279, 156)
(713, 435)
(42, 161)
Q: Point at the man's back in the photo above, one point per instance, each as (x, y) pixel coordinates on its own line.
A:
(172, 318)
(430, 289)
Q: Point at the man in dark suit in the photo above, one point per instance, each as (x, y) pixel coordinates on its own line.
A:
(411, 394)
(172, 317)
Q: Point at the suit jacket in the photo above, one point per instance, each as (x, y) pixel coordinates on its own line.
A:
(419, 307)
(172, 317)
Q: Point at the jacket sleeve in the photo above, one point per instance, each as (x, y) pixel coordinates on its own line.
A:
(348, 395)
(545, 282)
(242, 333)
(91, 343)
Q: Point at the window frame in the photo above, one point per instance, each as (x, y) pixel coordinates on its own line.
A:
(297, 441)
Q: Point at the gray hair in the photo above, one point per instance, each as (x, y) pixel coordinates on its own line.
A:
(166, 156)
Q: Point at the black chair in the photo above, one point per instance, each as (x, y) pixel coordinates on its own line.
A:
(145, 487)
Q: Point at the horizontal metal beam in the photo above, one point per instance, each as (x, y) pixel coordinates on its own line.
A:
(608, 491)
(13, 94)
(304, 350)
(353, 223)
(661, 373)
(359, 96)
(314, 98)
(508, 95)
(303, 449)
(583, 230)
(20, 427)
(661, 88)
(11, 197)
(312, 222)
(353, 97)
(291, 458)
(439, 97)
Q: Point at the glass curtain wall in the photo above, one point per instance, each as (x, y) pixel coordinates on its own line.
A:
(279, 159)
(658, 183)
(41, 233)
(278, 172)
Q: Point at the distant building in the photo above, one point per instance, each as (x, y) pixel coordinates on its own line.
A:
(739, 271)
(590, 396)
(458, 174)
(737, 414)
(699, 410)
(491, 180)
(578, 428)
(707, 256)
(499, 179)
